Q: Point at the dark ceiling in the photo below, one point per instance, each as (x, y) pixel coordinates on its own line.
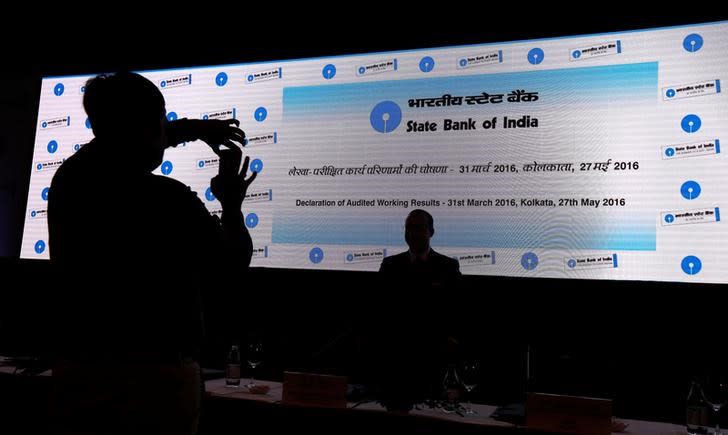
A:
(120, 37)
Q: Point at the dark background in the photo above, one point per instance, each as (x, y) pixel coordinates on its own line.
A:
(637, 342)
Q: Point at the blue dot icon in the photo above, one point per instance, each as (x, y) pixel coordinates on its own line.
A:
(251, 220)
(670, 152)
(245, 141)
(40, 246)
(691, 265)
(691, 123)
(385, 117)
(83, 89)
(163, 84)
(39, 166)
(362, 70)
(205, 116)
(693, 42)
(167, 167)
(201, 164)
(690, 190)
(571, 263)
(535, 56)
(329, 71)
(58, 89)
(44, 193)
(669, 218)
(250, 77)
(529, 261)
(88, 123)
(316, 255)
(350, 257)
(670, 93)
(33, 213)
(172, 116)
(260, 114)
(52, 146)
(221, 79)
(427, 64)
(209, 195)
(256, 165)
(77, 147)
(44, 124)
(576, 54)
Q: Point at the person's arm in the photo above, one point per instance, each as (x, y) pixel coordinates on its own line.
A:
(214, 132)
(230, 185)
(230, 189)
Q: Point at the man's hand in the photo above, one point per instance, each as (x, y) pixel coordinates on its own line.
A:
(214, 132)
(230, 187)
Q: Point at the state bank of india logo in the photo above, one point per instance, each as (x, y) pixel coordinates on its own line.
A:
(385, 117)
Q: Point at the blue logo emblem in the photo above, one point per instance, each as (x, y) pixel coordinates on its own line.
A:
(385, 117)
(535, 56)
(691, 123)
(329, 71)
(427, 64)
(221, 79)
(256, 165)
(208, 194)
(691, 265)
(167, 167)
(316, 255)
(260, 114)
(690, 190)
(251, 220)
(693, 42)
(529, 261)
(40, 246)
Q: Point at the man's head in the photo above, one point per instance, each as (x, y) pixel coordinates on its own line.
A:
(126, 109)
(418, 230)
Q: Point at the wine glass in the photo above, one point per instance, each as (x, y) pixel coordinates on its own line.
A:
(255, 357)
(469, 377)
(715, 392)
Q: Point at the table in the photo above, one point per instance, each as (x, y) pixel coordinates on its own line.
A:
(216, 389)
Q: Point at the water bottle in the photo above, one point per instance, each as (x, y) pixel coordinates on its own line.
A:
(232, 368)
(451, 385)
(697, 411)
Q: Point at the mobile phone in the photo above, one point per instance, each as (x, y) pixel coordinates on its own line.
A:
(229, 161)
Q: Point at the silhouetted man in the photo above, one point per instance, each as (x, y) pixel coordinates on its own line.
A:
(411, 338)
(421, 265)
(133, 250)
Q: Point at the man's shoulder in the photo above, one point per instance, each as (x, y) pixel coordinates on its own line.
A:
(396, 258)
(444, 259)
(394, 263)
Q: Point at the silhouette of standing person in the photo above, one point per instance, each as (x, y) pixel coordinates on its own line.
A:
(411, 328)
(132, 250)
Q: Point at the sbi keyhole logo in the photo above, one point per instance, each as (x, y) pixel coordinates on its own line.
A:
(385, 117)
